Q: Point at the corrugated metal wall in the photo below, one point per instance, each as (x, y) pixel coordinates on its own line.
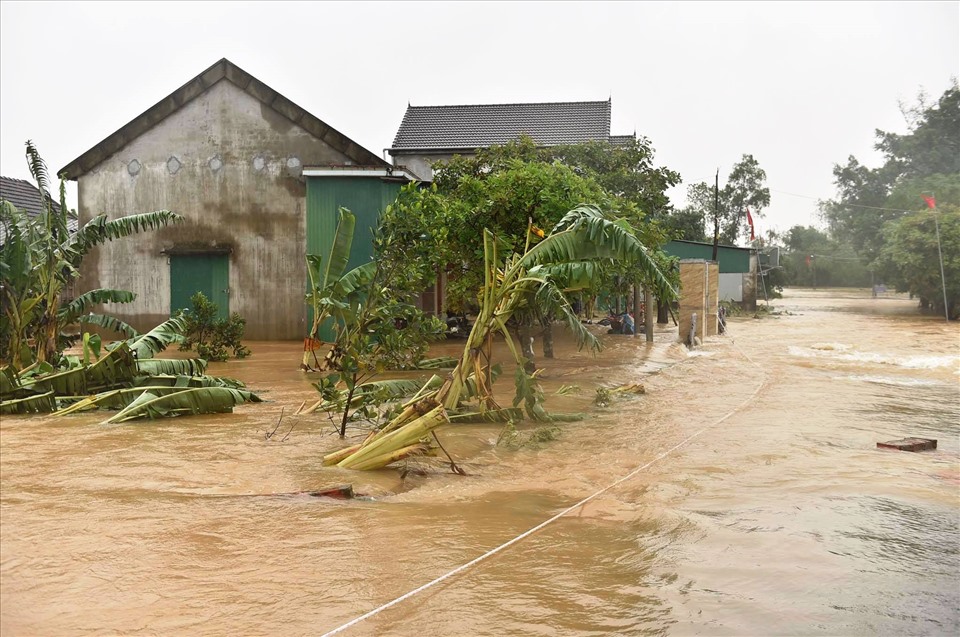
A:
(365, 197)
(731, 259)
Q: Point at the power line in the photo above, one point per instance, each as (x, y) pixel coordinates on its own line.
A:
(847, 205)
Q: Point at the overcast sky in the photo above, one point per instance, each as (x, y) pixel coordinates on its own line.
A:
(801, 86)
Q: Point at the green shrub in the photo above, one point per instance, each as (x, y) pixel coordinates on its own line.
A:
(211, 337)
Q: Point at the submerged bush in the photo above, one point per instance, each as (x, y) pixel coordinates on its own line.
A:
(211, 337)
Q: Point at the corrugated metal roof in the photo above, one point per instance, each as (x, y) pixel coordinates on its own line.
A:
(26, 197)
(484, 125)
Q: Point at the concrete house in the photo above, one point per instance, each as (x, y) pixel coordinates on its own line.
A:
(258, 180)
(429, 134)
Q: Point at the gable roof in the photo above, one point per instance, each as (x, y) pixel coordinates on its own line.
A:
(224, 69)
(485, 125)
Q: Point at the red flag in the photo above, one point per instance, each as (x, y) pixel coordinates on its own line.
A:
(808, 259)
(750, 221)
(931, 201)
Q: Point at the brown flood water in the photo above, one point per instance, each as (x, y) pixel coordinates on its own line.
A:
(782, 519)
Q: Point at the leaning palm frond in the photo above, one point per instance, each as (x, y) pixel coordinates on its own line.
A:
(202, 400)
(82, 304)
(184, 381)
(42, 403)
(175, 366)
(9, 382)
(115, 399)
(38, 170)
(109, 323)
(100, 229)
(156, 340)
(118, 367)
(585, 234)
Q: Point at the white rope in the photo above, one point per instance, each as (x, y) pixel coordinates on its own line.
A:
(530, 532)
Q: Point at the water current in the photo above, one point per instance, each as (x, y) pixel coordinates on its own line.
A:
(784, 518)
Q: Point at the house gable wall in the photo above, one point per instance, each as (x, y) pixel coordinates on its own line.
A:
(231, 166)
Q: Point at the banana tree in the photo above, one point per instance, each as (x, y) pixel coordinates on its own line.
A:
(583, 238)
(331, 290)
(40, 259)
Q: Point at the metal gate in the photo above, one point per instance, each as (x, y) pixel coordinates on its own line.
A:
(207, 273)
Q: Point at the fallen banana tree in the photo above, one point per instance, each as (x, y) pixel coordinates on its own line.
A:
(565, 259)
(125, 378)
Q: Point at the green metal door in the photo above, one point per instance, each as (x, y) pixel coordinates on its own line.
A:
(207, 273)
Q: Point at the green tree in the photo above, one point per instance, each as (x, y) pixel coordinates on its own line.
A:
(40, 259)
(872, 202)
(813, 258)
(499, 191)
(724, 208)
(564, 258)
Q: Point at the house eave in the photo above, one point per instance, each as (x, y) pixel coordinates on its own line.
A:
(383, 173)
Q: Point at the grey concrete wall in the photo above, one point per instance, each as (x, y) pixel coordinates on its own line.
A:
(731, 286)
(750, 285)
(232, 167)
(420, 164)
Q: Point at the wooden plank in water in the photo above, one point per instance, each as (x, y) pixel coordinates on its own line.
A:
(909, 444)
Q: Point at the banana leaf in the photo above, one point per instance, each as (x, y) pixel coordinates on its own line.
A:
(442, 362)
(156, 340)
(202, 400)
(110, 323)
(115, 399)
(384, 390)
(41, 403)
(72, 382)
(174, 366)
(171, 380)
(9, 382)
(81, 305)
(117, 368)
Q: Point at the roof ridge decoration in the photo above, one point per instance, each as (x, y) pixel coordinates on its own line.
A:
(223, 69)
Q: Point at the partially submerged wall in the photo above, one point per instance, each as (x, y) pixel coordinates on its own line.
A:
(699, 294)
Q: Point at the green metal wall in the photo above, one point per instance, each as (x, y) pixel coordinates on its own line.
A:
(365, 197)
(207, 273)
(731, 259)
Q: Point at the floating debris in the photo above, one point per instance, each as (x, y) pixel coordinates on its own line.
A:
(909, 444)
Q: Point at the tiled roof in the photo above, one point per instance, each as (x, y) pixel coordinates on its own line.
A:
(484, 125)
(226, 70)
(25, 196)
(622, 140)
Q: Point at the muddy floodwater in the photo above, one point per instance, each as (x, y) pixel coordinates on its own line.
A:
(767, 509)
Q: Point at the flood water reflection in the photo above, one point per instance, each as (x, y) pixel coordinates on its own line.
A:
(783, 518)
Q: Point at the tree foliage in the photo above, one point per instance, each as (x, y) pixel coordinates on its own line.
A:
(40, 260)
(724, 208)
(881, 210)
(503, 188)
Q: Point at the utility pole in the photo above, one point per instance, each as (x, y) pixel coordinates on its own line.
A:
(943, 279)
(716, 214)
